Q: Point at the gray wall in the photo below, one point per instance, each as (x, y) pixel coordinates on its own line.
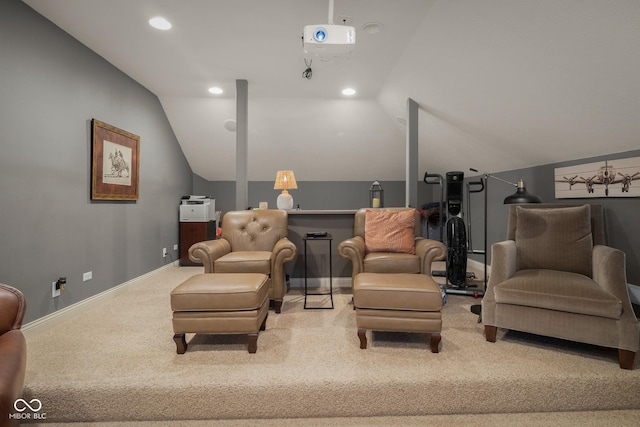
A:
(340, 227)
(310, 195)
(51, 87)
(623, 227)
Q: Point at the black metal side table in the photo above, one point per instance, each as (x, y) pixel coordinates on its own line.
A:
(327, 238)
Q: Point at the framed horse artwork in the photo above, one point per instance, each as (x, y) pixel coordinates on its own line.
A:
(115, 169)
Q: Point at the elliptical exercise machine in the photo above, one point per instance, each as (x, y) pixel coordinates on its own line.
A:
(457, 240)
(456, 232)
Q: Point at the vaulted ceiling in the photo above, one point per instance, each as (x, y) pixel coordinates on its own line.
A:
(501, 84)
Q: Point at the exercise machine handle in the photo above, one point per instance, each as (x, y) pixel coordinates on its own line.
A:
(479, 183)
(427, 176)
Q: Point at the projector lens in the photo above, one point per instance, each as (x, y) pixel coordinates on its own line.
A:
(320, 35)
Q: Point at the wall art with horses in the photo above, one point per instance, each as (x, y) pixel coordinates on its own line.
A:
(115, 163)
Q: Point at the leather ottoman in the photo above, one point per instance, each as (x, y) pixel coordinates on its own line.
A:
(220, 303)
(398, 302)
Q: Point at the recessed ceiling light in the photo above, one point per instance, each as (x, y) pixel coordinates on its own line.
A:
(349, 92)
(372, 27)
(160, 23)
(215, 90)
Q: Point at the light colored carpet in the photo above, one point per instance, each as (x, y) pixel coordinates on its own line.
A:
(118, 362)
(624, 418)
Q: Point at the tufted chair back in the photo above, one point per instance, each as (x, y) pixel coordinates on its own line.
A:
(254, 230)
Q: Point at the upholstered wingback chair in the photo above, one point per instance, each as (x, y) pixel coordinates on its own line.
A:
(252, 241)
(389, 240)
(555, 277)
(13, 351)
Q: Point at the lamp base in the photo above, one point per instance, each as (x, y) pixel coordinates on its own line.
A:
(285, 201)
(477, 310)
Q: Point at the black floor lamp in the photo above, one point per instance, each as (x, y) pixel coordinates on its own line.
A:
(521, 196)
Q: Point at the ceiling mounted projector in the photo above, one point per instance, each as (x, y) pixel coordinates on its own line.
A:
(328, 41)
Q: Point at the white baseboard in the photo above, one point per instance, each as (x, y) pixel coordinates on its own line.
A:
(478, 265)
(634, 293)
(64, 314)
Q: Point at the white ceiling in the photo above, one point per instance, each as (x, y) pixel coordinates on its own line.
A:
(501, 84)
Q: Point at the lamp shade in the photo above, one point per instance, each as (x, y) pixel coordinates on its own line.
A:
(521, 196)
(285, 180)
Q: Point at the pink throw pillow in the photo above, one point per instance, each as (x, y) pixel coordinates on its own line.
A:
(390, 231)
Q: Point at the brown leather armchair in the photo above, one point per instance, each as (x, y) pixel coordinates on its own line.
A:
(252, 241)
(13, 351)
(555, 277)
(367, 259)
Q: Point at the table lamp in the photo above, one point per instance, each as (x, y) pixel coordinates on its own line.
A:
(285, 180)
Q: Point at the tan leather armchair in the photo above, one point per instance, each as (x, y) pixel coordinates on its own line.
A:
(252, 241)
(13, 351)
(365, 260)
(555, 277)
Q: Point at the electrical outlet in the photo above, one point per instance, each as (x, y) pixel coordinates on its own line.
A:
(175, 247)
(55, 290)
(164, 252)
(87, 276)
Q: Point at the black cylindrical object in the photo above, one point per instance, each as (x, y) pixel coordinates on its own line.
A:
(454, 192)
(456, 251)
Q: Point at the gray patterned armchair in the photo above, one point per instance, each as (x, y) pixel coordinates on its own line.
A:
(555, 277)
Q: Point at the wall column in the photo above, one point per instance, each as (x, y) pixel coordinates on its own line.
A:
(242, 151)
(411, 183)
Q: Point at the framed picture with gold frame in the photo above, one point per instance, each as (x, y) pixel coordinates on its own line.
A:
(115, 164)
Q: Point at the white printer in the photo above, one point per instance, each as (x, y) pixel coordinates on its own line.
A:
(197, 209)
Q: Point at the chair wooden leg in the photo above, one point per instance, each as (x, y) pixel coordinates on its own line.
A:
(626, 358)
(181, 343)
(362, 334)
(277, 305)
(435, 343)
(490, 332)
(253, 343)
